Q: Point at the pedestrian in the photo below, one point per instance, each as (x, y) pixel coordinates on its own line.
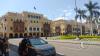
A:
(1, 46)
(23, 48)
(5, 47)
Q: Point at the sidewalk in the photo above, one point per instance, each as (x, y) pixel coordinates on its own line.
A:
(77, 42)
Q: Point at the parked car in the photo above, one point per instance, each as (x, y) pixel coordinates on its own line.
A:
(36, 46)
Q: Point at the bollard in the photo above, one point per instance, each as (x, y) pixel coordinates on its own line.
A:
(82, 45)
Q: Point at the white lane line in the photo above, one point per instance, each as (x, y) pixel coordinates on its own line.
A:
(60, 54)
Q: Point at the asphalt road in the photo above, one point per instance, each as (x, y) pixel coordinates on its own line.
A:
(68, 49)
(64, 49)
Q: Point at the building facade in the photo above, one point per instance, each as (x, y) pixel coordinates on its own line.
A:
(35, 24)
(24, 24)
(61, 27)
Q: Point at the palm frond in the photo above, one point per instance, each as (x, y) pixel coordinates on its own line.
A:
(76, 17)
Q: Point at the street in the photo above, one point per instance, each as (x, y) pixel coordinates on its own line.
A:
(69, 49)
(63, 49)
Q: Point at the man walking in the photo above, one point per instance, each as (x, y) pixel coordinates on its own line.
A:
(1, 46)
(5, 46)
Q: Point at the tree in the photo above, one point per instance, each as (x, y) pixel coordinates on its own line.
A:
(92, 8)
(81, 15)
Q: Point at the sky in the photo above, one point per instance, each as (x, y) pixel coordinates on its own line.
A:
(53, 9)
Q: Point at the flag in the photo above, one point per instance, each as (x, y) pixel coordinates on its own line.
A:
(34, 8)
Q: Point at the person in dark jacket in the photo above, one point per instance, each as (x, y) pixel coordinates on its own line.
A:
(1, 46)
(5, 47)
(22, 47)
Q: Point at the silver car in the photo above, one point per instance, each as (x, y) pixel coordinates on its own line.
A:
(40, 47)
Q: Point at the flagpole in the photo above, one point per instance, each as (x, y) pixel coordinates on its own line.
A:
(76, 14)
(76, 23)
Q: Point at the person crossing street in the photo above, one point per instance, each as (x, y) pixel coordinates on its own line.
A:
(5, 47)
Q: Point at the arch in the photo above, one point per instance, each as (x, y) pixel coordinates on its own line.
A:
(10, 35)
(41, 34)
(21, 35)
(38, 34)
(16, 35)
(25, 34)
(34, 34)
(30, 34)
(69, 29)
(58, 30)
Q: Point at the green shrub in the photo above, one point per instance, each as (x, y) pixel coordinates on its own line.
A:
(87, 36)
(68, 37)
(81, 37)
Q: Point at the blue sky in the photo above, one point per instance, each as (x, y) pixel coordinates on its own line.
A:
(51, 8)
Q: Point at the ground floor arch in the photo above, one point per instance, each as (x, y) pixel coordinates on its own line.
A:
(16, 35)
(25, 34)
(21, 35)
(11, 35)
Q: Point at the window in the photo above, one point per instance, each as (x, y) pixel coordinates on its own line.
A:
(37, 21)
(37, 29)
(34, 21)
(31, 21)
(5, 28)
(28, 16)
(11, 19)
(37, 17)
(11, 28)
(25, 28)
(30, 28)
(5, 19)
(34, 29)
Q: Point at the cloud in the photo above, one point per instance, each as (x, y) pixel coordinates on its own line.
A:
(66, 15)
(58, 18)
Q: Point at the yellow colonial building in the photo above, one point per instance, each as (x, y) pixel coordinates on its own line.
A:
(36, 24)
(24, 24)
(60, 27)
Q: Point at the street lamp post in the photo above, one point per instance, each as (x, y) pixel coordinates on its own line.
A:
(76, 21)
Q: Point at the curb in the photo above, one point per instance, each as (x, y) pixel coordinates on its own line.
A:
(76, 42)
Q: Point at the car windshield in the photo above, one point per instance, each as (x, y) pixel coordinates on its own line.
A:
(37, 42)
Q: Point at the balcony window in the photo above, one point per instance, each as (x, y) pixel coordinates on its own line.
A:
(5, 28)
(37, 21)
(11, 19)
(34, 29)
(34, 21)
(31, 21)
(25, 28)
(5, 19)
(11, 28)
(29, 16)
(37, 29)
(30, 28)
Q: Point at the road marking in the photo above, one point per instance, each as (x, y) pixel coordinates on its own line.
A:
(60, 54)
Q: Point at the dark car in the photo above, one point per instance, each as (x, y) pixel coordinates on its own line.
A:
(36, 47)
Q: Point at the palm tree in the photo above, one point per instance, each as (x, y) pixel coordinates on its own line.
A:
(81, 15)
(92, 8)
